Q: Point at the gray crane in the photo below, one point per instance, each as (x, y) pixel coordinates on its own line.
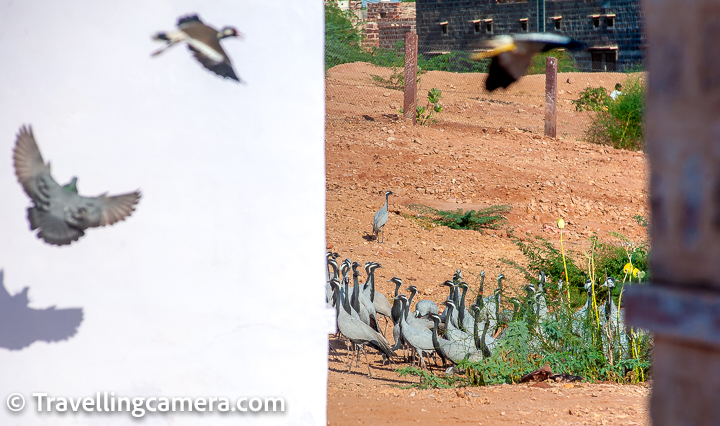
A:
(381, 218)
(380, 302)
(357, 331)
(452, 350)
(418, 338)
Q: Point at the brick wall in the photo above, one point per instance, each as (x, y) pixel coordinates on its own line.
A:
(391, 22)
(467, 19)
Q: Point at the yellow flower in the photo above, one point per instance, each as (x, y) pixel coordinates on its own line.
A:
(635, 272)
(561, 223)
(628, 269)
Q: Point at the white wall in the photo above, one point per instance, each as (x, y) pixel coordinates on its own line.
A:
(215, 285)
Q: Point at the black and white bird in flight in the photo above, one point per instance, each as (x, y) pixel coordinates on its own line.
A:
(512, 55)
(204, 42)
(61, 214)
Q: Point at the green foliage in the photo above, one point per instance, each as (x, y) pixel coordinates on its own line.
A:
(620, 123)
(424, 114)
(491, 217)
(592, 99)
(396, 81)
(641, 220)
(566, 63)
(542, 255)
(452, 62)
(342, 42)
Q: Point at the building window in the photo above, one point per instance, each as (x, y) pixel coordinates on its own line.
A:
(444, 27)
(604, 60)
(477, 26)
(524, 25)
(596, 21)
(610, 20)
(488, 26)
(558, 22)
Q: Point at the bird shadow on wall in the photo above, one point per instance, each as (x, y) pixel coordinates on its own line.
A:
(20, 325)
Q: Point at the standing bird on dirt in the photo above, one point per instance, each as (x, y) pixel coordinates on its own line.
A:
(61, 214)
(357, 331)
(204, 42)
(381, 218)
(512, 54)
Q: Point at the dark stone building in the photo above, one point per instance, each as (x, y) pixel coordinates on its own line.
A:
(611, 29)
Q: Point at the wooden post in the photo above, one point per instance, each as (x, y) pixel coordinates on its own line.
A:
(550, 96)
(682, 131)
(411, 52)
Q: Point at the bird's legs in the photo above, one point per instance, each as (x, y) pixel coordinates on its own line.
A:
(368, 364)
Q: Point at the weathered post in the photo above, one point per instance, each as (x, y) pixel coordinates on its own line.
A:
(411, 52)
(682, 130)
(550, 96)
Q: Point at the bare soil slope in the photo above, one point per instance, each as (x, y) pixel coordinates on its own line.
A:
(485, 150)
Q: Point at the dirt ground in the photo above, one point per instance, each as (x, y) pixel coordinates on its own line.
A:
(485, 150)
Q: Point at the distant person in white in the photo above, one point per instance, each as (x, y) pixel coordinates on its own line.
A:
(615, 93)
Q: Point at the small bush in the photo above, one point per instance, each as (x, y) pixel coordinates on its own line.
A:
(592, 99)
(491, 217)
(566, 63)
(452, 62)
(620, 123)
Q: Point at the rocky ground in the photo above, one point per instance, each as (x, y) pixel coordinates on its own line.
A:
(485, 150)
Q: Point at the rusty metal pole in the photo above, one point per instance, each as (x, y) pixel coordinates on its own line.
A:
(411, 53)
(550, 96)
(682, 130)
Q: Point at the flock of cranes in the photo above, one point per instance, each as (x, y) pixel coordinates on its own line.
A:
(459, 332)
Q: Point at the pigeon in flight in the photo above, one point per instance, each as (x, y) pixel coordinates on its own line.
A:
(512, 55)
(61, 214)
(20, 325)
(204, 42)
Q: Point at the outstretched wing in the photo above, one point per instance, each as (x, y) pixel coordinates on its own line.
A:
(30, 168)
(215, 63)
(87, 212)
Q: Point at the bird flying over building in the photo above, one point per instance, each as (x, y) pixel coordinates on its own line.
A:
(204, 42)
(61, 214)
(512, 55)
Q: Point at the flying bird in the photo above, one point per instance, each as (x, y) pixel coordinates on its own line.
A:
(20, 325)
(61, 214)
(204, 42)
(512, 55)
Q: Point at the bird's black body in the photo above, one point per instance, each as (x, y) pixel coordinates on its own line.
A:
(497, 76)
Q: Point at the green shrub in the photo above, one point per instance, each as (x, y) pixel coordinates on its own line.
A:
(620, 124)
(452, 62)
(342, 42)
(566, 63)
(491, 217)
(592, 99)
